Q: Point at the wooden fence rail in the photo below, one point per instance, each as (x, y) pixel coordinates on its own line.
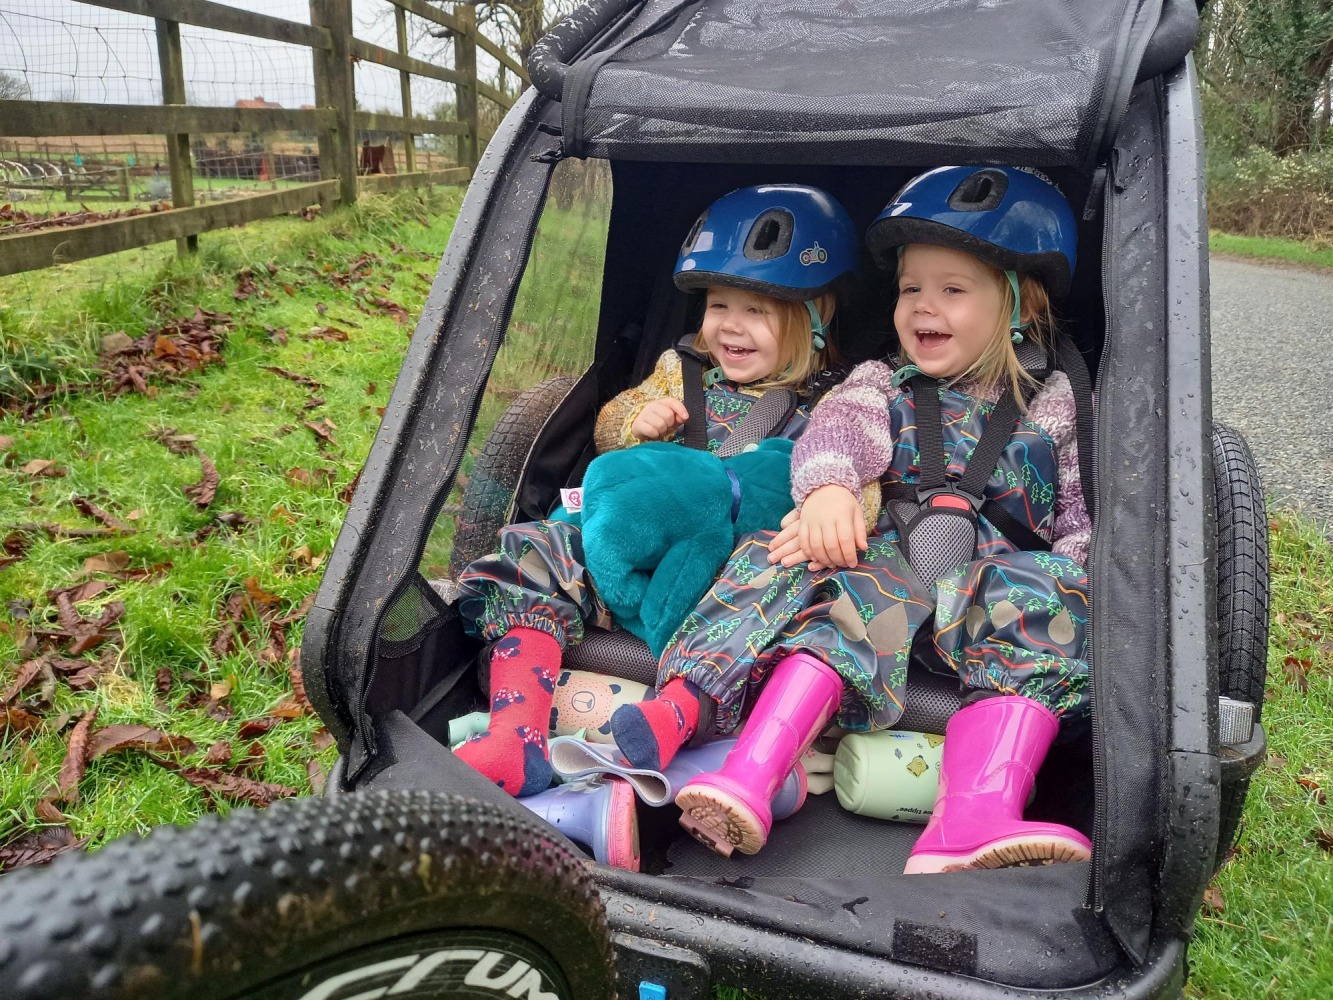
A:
(334, 120)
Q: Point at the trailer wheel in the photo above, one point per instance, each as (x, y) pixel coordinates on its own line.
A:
(412, 894)
(489, 493)
(1242, 596)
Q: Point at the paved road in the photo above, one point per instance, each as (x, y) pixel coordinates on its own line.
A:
(1273, 375)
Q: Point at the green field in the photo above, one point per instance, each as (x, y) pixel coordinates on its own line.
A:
(199, 594)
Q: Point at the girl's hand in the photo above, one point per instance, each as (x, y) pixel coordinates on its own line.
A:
(660, 419)
(785, 546)
(831, 528)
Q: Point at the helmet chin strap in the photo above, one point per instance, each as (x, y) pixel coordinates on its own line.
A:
(1016, 324)
(817, 327)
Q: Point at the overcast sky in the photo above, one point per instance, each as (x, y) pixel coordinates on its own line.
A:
(67, 50)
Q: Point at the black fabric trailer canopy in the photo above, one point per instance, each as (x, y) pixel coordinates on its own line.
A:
(912, 82)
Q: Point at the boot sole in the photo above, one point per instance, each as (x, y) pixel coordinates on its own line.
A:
(719, 822)
(622, 845)
(1019, 852)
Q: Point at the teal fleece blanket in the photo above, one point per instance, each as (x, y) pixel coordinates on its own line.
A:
(659, 521)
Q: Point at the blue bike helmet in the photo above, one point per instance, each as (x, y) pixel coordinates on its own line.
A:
(789, 241)
(1012, 218)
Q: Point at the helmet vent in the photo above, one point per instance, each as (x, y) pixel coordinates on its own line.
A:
(688, 246)
(980, 192)
(770, 236)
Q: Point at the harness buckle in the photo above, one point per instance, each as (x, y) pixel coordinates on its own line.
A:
(948, 498)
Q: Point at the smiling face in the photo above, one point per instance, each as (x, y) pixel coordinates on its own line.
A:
(949, 309)
(740, 333)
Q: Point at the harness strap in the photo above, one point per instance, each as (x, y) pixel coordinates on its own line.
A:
(929, 431)
(1075, 368)
(692, 374)
(970, 489)
(994, 439)
(766, 415)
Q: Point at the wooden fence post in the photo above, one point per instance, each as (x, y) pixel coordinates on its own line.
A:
(337, 150)
(465, 90)
(405, 78)
(178, 146)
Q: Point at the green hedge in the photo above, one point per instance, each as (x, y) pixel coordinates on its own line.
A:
(1260, 194)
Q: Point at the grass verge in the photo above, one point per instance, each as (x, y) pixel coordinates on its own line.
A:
(202, 601)
(1268, 917)
(1270, 248)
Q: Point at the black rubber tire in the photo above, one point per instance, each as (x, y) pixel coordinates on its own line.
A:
(1242, 570)
(484, 508)
(1242, 597)
(275, 903)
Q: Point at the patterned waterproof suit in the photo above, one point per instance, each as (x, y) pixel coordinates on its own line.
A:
(1010, 621)
(537, 579)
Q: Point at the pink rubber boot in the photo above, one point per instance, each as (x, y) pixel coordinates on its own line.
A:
(993, 749)
(729, 809)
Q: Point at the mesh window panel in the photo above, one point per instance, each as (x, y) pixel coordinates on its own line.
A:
(919, 82)
(548, 343)
(414, 614)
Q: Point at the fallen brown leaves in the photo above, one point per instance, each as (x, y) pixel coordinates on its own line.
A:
(87, 508)
(291, 376)
(231, 786)
(76, 758)
(167, 352)
(114, 739)
(13, 220)
(39, 847)
(243, 608)
(43, 467)
(386, 307)
(203, 492)
(329, 333)
(323, 431)
(181, 444)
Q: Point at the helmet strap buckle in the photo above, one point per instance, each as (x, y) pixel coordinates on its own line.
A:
(1016, 324)
(817, 327)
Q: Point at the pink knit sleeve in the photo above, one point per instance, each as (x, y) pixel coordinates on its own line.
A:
(1054, 410)
(849, 440)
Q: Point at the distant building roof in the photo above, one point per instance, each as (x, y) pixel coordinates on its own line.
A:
(258, 102)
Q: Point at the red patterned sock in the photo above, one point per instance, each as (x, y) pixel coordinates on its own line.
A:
(512, 752)
(650, 732)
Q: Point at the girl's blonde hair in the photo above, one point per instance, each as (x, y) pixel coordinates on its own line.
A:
(999, 360)
(797, 361)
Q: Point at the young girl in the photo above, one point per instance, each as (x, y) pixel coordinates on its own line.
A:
(827, 617)
(767, 259)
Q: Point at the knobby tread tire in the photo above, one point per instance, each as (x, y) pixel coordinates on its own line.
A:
(220, 908)
(489, 494)
(1242, 597)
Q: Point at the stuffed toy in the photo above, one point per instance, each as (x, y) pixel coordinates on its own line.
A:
(659, 521)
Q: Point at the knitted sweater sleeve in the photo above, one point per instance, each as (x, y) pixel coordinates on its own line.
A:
(612, 429)
(849, 440)
(1053, 410)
